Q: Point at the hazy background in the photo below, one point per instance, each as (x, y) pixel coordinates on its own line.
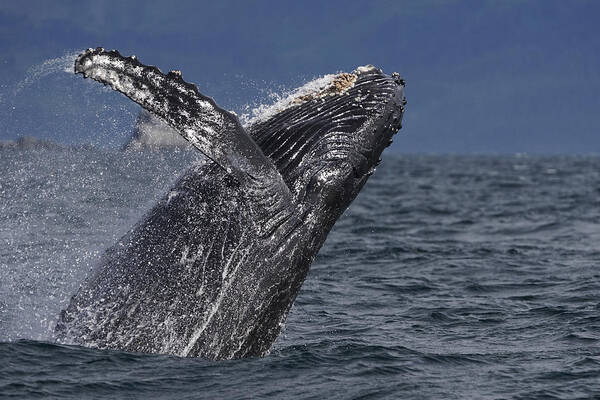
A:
(482, 76)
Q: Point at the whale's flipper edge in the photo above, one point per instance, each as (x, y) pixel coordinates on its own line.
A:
(215, 132)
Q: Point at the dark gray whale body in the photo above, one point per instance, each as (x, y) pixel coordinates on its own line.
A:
(213, 269)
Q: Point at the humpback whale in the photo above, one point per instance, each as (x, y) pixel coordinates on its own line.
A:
(213, 269)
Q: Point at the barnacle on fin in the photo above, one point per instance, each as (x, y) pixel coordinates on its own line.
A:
(175, 74)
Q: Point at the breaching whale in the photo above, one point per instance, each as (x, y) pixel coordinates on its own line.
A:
(213, 269)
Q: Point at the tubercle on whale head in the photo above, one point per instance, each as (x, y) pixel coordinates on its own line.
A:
(175, 74)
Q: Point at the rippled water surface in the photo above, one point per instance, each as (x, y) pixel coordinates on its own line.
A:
(448, 277)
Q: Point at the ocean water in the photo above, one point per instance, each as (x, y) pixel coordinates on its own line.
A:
(449, 277)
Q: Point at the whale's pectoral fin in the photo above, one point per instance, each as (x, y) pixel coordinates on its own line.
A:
(212, 130)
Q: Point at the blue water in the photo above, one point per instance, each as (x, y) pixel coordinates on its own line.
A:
(449, 277)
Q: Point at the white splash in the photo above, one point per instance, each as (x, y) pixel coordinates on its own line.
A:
(50, 66)
(285, 100)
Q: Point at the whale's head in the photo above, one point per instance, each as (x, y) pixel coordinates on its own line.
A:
(327, 137)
